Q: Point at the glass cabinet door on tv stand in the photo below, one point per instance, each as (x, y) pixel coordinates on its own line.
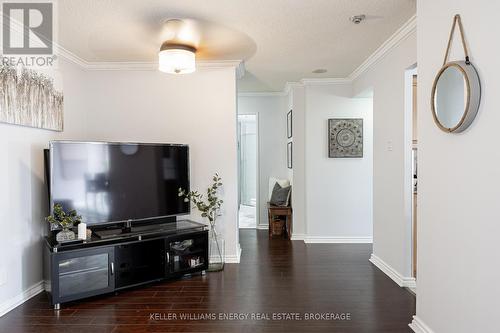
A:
(82, 273)
(187, 253)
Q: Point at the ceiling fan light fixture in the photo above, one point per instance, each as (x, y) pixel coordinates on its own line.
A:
(177, 59)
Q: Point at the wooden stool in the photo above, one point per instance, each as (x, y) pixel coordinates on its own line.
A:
(273, 211)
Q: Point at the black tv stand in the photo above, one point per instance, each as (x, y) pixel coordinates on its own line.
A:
(109, 233)
(77, 270)
(150, 227)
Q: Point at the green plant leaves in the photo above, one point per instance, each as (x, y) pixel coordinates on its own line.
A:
(208, 207)
(63, 219)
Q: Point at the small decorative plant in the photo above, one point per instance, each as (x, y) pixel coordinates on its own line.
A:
(209, 208)
(65, 220)
(60, 218)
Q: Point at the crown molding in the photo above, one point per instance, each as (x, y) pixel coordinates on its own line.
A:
(240, 69)
(290, 85)
(324, 81)
(120, 66)
(401, 34)
(70, 56)
(262, 94)
(303, 82)
(153, 66)
(238, 65)
(394, 40)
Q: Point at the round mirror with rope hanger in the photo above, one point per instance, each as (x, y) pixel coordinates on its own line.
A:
(456, 92)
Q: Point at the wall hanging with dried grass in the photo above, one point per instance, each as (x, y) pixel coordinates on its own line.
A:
(28, 98)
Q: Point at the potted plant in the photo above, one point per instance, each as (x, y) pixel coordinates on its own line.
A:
(60, 218)
(209, 208)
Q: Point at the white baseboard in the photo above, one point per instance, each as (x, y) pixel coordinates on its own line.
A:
(331, 240)
(234, 259)
(418, 326)
(47, 286)
(263, 226)
(402, 281)
(337, 240)
(298, 236)
(19, 299)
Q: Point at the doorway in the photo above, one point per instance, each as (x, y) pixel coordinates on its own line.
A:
(411, 170)
(414, 175)
(248, 171)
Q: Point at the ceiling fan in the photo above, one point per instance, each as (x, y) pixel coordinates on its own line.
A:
(177, 52)
(183, 41)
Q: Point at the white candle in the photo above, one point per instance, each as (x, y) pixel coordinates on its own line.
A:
(82, 230)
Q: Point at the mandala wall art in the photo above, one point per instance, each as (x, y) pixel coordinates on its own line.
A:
(345, 138)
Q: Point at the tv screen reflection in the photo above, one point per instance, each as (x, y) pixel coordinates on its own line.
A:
(112, 182)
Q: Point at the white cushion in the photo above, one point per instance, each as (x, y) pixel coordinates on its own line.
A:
(273, 181)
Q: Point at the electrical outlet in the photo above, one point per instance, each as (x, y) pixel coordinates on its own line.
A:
(389, 146)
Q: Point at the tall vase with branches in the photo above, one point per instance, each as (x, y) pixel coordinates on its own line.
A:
(209, 207)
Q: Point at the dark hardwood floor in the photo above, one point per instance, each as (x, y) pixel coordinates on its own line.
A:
(277, 276)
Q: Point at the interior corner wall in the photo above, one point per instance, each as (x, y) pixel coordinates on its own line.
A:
(458, 256)
(297, 103)
(387, 80)
(23, 194)
(198, 109)
(288, 108)
(272, 138)
(338, 190)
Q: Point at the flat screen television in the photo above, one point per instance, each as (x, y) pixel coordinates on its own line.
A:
(110, 182)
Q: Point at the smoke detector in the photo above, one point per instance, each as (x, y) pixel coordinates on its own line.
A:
(357, 19)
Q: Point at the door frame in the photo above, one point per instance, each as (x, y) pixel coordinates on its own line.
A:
(257, 167)
(408, 174)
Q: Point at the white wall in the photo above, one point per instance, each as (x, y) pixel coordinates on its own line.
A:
(458, 256)
(272, 142)
(197, 109)
(391, 232)
(23, 195)
(338, 190)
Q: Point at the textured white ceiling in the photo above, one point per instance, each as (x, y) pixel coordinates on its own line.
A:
(280, 40)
